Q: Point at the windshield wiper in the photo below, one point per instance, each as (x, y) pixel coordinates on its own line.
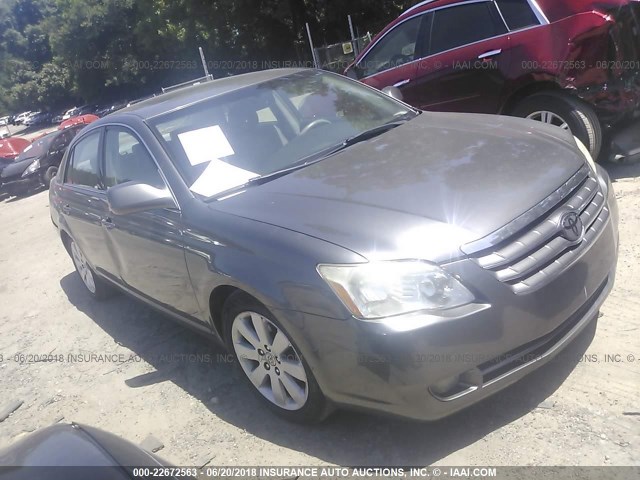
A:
(317, 157)
(372, 133)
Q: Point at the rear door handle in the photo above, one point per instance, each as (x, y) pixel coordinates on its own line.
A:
(66, 209)
(489, 54)
(401, 83)
(107, 223)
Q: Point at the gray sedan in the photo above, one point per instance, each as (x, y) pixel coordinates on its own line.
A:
(349, 250)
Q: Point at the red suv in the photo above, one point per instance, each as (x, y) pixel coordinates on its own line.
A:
(572, 63)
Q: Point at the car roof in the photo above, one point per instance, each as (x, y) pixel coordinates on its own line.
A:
(427, 5)
(171, 101)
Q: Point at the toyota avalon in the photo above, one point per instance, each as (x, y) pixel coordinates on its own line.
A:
(349, 250)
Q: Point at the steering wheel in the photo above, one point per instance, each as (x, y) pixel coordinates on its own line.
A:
(317, 122)
(398, 59)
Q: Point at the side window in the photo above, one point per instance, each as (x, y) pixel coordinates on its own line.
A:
(83, 165)
(457, 26)
(127, 160)
(397, 48)
(517, 13)
(58, 143)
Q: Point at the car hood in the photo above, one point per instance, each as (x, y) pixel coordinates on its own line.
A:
(421, 190)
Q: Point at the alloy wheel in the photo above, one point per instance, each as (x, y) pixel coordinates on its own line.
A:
(269, 360)
(549, 118)
(83, 269)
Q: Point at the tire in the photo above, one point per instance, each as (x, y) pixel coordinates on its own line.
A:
(307, 404)
(96, 287)
(580, 118)
(48, 175)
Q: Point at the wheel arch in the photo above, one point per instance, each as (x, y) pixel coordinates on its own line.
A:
(66, 241)
(527, 91)
(217, 299)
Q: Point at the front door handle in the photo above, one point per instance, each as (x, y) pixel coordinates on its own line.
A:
(401, 83)
(489, 54)
(107, 223)
(66, 209)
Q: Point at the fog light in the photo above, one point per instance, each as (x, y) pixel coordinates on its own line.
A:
(457, 386)
(444, 387)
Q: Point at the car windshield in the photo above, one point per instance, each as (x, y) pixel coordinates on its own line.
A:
(37, 148)
(226, 142)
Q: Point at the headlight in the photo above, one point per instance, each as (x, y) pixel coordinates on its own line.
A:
(384, 289)
(32, 168)
(587, 154)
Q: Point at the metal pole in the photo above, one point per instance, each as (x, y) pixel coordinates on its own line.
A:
(313, 50)
(354, 41)
(204, 62)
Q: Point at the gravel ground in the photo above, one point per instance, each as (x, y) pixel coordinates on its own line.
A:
(149, 376)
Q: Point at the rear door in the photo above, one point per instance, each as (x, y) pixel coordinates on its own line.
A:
(147, 246)
(84, 203)
(467, 61)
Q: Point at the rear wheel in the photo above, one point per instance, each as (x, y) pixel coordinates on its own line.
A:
(566, 112)
(270, 363)
(95, 285)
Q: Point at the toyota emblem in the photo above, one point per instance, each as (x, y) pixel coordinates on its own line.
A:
(572, 226)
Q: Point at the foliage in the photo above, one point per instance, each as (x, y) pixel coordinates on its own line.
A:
(55, 53)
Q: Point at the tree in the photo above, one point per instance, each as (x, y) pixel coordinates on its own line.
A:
(58, 52)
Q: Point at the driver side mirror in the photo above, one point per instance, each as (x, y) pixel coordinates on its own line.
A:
(393, 92)
(134, 197)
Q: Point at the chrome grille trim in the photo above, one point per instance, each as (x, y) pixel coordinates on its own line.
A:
(528, 217)
(530, 260)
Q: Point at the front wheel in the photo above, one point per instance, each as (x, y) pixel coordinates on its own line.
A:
(566, 112)
(271, 364)
(48, 175)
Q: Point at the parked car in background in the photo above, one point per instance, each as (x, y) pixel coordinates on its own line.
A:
(571, 63)
(38, 118)
(336, 239)
(103, 456)
(59, 117)
(4, 121)
(81, 120)
(107, 109)
(21, 117)
(38, 163)
(11, 147)
(69, 113)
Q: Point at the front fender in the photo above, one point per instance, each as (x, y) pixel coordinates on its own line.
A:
(275, 265)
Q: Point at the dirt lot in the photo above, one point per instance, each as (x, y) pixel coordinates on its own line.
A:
(571, 412)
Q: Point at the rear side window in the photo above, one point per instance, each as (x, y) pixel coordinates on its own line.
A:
(517, 13)
(464, 24)
(127, 160)
(84, 163)
(396, 48)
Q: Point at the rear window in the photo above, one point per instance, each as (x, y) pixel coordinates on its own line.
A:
(517, 13)
(455, 27)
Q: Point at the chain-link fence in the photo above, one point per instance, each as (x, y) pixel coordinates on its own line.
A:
(339, 56)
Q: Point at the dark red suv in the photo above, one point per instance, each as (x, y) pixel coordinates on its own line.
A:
(572, 63)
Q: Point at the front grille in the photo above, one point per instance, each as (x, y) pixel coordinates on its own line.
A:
(529, 260)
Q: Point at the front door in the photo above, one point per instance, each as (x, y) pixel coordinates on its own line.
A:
(392, 62)
(147, 246)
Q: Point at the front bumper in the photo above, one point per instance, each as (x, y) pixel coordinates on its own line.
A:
(19, 185)
(377, 367)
